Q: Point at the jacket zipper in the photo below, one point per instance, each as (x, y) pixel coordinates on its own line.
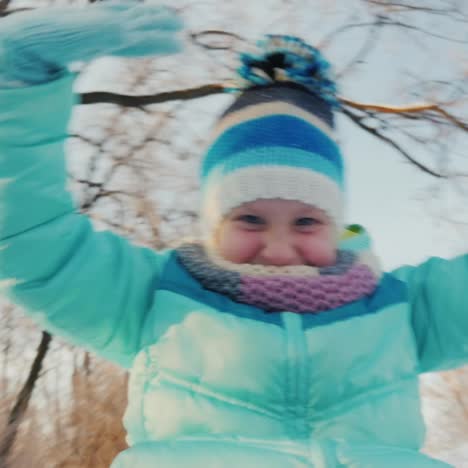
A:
(297, 375)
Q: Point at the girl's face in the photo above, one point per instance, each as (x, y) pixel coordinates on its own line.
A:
(277, 232)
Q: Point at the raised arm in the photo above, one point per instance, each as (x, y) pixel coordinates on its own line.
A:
(438, 295)
(94, 288)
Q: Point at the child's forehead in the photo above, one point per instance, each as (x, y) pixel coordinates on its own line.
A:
(277, 205)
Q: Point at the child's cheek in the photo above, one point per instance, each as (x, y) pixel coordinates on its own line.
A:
(319, 252)
(240, 246)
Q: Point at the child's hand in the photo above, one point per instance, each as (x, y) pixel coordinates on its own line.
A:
(36, 45)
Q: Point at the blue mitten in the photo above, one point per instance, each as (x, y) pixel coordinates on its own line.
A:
(36, 46)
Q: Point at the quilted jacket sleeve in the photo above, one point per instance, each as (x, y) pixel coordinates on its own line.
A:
(93, 288)
(438, 296)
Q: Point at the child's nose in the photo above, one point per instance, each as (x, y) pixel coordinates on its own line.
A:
(279, 252)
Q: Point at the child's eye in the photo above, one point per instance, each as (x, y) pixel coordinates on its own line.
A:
(306, 222)
(250, 219)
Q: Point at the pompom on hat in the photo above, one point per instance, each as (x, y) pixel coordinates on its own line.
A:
(277, 139)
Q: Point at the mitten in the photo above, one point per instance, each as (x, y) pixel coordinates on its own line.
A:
(36, 46)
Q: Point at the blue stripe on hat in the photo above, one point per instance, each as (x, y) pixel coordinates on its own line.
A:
(275, 156)
(274, 130)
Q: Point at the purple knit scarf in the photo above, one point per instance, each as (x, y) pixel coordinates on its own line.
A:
(303, 289)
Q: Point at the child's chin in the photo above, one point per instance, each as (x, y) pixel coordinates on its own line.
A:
(279, 266)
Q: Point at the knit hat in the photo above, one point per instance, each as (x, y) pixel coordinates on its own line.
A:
(277, 139)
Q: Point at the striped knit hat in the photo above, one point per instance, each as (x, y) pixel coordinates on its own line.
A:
(277, 139)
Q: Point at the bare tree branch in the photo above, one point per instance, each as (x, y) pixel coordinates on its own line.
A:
(325, 42)
(4, 5)
(358, 120)
(199, 39)
(4, 11)
(407, 109)
(410, 111)
(415, 8)
(386, 21)
(140, 101)
(22, 401)
(369, 43)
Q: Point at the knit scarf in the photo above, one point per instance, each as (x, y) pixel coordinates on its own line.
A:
(303, 289)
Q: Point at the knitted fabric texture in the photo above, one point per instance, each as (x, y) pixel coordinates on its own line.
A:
(277, 139)
(290, 59)
(296, 288)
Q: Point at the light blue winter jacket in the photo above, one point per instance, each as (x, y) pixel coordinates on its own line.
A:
(215, 383)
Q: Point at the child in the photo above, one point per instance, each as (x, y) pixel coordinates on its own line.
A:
(276, 342)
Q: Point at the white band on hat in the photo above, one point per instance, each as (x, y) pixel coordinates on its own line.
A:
(224, 192)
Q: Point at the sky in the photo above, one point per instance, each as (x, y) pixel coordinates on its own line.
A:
(401, 207)
(398, 204)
